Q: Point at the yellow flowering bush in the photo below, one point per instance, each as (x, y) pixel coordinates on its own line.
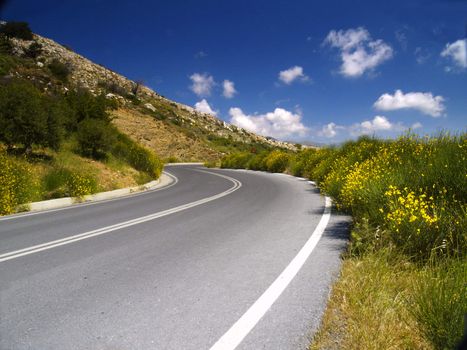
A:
(17, 183)
(79, 185)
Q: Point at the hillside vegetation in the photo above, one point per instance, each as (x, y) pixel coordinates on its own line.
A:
(403, 282)
(70, 127)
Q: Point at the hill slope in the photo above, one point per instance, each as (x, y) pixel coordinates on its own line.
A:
(173, 129)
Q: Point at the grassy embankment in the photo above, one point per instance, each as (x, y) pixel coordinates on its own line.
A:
(403, 282)
(55, 144)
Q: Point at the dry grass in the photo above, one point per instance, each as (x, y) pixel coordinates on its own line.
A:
(369, 308)
(165, 139)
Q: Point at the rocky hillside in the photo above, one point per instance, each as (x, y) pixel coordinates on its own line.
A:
(170, 128)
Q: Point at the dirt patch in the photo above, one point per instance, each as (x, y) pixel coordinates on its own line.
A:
(162, 137)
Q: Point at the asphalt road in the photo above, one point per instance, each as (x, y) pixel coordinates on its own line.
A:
(207, 262)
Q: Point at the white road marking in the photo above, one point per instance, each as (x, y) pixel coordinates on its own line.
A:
(79, 205)
(235, 335)
(67, 240)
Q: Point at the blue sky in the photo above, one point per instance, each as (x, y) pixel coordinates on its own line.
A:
(295, 70)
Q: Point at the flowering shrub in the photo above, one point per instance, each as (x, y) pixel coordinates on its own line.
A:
(17, 183)
(411, 191)
(79, 185)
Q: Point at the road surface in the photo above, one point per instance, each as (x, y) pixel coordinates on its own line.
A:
(219, 259)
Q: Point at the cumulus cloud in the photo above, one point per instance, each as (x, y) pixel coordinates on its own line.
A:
(457, 53)
(204, 107)
(330, 130)
(280, 123)
(229, 89)
(379, 124)
(359, 52)
(368, 127)
(292, 74)
(425, 102)
(202, 84)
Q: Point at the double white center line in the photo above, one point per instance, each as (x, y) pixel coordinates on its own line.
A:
(71, 239)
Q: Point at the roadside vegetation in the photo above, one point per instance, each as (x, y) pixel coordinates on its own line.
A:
(57, 141)
(403, 282)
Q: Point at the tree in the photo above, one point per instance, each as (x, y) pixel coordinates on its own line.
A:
(18, 30)
(95, 138)
(136, 87)
(87, 106)
(27, 117)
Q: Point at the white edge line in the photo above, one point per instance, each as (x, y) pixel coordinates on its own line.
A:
(80, 205)
(67, 240)
(240, 329)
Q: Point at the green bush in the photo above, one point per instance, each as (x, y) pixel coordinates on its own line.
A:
(236, 161)
(34, 50)
(6, 48)
(95, 138)
(137, 156)
(84, 105)
(80, 185)
(19, 30)
(64, 182)
(17, 183)
(26, 117)
(6, 63)
(60, 70)
(277, 161)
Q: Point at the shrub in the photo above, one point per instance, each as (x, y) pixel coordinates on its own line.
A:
(137, 156)
(112, 87)
(84, 105)
(55, 182)
(277, 161)
(64, 182)
(6, 48)
(95, 138)
(80, 185)
(26, 117)
(6, 63)
(17, 183)
(18, 30)
(60, 70)
(236, 161)
(34, 50)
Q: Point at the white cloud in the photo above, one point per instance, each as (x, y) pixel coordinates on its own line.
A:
(379, 124)
(457, 52)
(229, 89)
(288, 76)
(202, 84)
(204, 107)
(280, 123)
(330, 130)
(425, 102)
(376, 125)
(359, 53)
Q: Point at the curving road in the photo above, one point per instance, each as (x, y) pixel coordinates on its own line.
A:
(219, 259)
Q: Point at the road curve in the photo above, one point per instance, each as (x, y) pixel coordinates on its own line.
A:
(175, 268)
